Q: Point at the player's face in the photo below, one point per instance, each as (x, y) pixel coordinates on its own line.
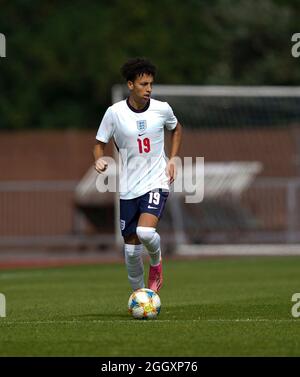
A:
(141, 88)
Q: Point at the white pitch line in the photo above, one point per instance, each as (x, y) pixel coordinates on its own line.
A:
(5, 322)
(238, 250)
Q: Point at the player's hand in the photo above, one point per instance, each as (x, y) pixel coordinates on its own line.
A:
(100, 165)
(171, 171)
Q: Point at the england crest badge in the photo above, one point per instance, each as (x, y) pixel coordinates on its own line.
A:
(141, 125)
(122, 224)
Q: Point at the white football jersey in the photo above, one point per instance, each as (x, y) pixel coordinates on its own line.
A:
(139, 137)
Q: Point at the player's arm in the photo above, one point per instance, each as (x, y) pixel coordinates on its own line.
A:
(176, 140)
(175, 146)
(104, 134)
(100, 163)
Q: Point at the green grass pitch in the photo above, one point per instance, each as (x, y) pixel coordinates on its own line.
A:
(210, 307)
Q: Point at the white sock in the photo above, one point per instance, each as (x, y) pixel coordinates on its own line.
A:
(151, 240)
(135, 265)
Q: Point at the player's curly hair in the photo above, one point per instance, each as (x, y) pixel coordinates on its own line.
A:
(136, 67)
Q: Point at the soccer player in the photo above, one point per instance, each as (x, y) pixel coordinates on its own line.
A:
(137, 125)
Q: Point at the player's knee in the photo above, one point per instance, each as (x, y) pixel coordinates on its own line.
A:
(131, 239)
(145, 234)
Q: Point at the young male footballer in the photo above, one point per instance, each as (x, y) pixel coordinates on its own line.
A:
(137, 125)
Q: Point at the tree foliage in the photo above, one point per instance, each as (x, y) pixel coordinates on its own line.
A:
(63, 57)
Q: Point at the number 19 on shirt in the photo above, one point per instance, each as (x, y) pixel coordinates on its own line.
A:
(144, 145)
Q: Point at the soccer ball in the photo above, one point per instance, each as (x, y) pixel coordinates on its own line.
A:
(144, 304)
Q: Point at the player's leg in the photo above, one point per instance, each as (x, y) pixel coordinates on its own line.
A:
(152, 205)
(146, 231)
(133, 248)
(147, 234)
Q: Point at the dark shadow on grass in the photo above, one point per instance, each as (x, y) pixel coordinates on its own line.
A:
(209, 311)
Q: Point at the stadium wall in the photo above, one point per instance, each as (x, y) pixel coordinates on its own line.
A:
(39, 172)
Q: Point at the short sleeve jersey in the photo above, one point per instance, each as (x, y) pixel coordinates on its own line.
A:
(139, 138)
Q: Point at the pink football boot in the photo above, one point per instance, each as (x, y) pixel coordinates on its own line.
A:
(155, 277)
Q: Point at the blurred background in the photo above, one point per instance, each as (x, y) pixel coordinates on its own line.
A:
(226, 68)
